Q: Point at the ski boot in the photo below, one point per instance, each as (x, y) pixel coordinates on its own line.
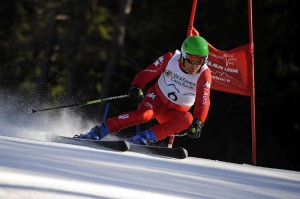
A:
(96, 133)
(144, 138)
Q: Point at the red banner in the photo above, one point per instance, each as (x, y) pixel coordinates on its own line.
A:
(232, 70)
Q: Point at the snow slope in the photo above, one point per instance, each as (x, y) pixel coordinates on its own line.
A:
(41, 169)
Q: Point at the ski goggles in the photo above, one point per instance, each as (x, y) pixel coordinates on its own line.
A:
(195, 59)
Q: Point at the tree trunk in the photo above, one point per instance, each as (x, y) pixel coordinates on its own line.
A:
(79, 29)
(49, 46)
(115, 51)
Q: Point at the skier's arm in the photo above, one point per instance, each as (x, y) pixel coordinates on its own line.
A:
(202, 102)
(152, 71)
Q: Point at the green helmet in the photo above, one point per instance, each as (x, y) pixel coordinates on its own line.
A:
(194, 45)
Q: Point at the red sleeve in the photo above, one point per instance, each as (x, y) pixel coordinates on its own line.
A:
(152, 71)
(202, 102)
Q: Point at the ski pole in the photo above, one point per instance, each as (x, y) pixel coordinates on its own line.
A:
(83, 104)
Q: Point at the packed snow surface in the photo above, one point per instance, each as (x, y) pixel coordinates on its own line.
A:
(42, 169)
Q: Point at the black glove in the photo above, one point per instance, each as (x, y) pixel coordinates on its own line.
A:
(135, 92)
(195, 129)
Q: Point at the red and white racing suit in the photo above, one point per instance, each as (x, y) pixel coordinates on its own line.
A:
(170, 99)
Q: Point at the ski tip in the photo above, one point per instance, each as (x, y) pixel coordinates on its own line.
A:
(184, 154)
(125, 146)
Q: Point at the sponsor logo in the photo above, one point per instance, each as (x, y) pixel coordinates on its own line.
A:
(151, 71)
(159, 61)
(125, 116)
(168, 73)
(151, 95)
(204, 98)
(149, 105)
(207, 85)
(177, 79)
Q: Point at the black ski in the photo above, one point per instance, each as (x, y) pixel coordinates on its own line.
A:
(119, 145)
(122, 145)
(178, 152)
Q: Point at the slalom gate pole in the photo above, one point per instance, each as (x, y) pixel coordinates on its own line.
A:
(105, 112)
(191, 25)
(83, 104)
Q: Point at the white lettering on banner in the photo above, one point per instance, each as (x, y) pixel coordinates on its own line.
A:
(215, 56)
(147, 104)
(232, 70)
(215, 65)
(221, 79)
(125, 116)
(229, 58)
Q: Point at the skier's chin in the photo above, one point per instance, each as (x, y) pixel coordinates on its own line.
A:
(192, 72)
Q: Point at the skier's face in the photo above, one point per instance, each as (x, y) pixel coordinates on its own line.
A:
(193, 63)
(195, 59)
(191, 68)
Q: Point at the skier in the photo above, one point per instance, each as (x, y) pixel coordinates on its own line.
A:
(184, 80)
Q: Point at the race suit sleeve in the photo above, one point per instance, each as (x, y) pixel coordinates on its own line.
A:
(202, 102)
(152, 71)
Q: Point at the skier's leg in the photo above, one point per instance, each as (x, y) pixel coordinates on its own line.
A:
(172, 122)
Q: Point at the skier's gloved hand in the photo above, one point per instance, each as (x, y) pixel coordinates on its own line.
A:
(144, 138)
(195, 129)
(135, 92)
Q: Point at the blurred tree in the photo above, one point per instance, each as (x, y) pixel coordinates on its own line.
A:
(115, 51)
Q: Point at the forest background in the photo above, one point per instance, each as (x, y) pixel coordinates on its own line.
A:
(71, 51)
